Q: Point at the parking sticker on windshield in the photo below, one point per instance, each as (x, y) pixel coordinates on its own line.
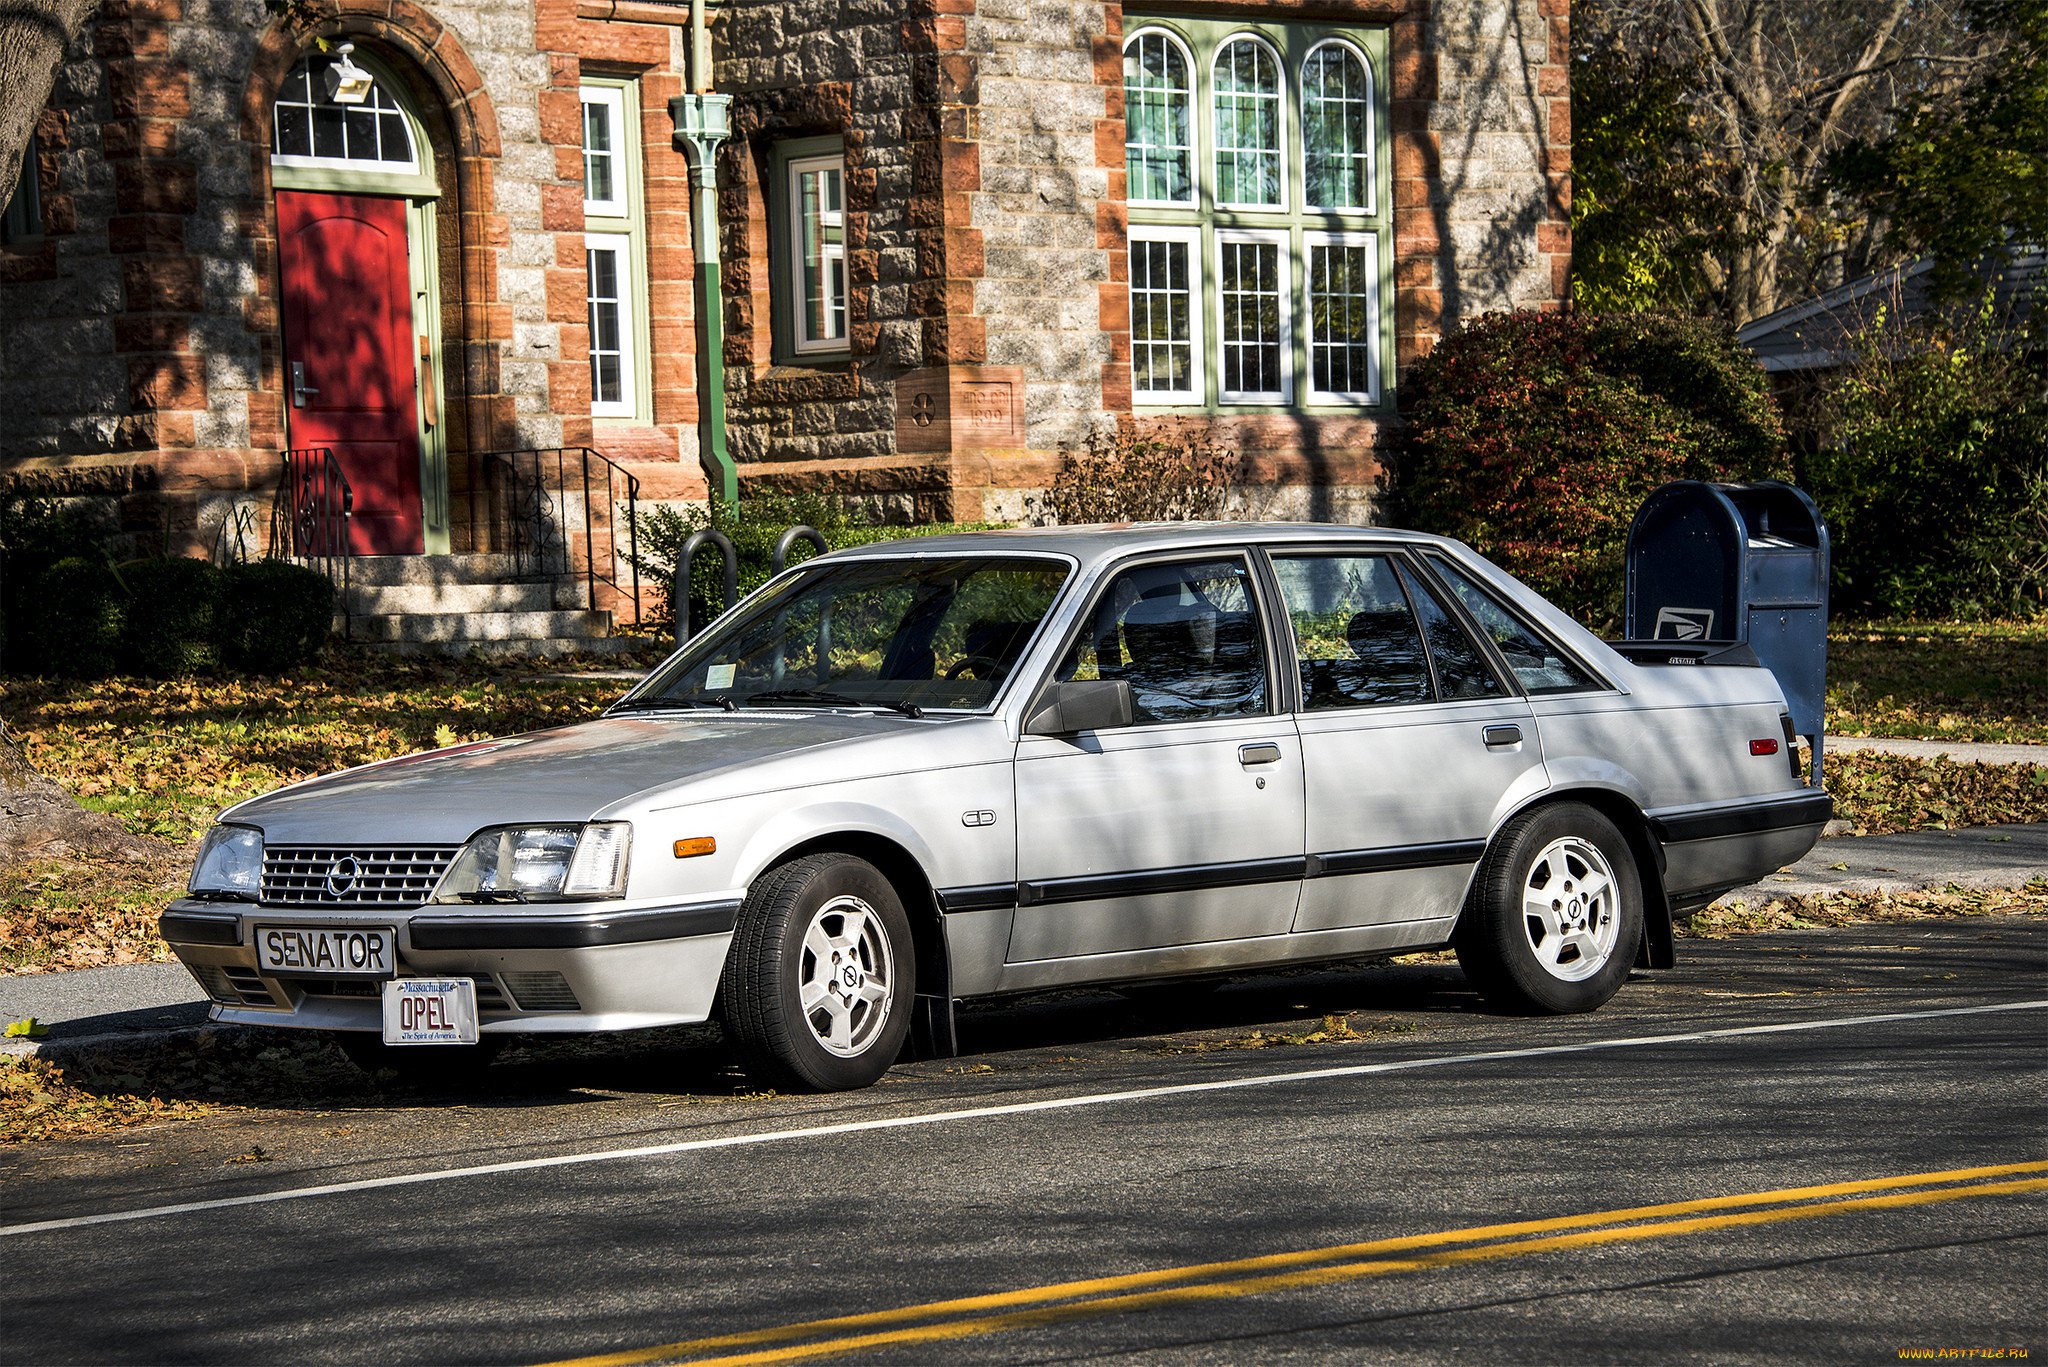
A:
(719, 676)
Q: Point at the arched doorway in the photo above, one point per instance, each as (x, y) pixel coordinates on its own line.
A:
(357, 264)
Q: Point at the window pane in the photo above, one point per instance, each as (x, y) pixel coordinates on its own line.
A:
(1247, 124)
(1341, 322)
(1461, 671)
(607, 335)
(1185, 637)
(1355, 638)
(1250, 291)
(1162, 317)
(597, 151)
(1336, 105)
(362, 134)
(821, 252)
(1538, 663)
(328, 138)
(1158, 132)
(294, 131)
(305, 123)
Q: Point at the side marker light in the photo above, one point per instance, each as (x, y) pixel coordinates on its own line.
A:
(1756, 747)
(694, 846)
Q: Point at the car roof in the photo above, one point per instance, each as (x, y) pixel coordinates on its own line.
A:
(1109, 540)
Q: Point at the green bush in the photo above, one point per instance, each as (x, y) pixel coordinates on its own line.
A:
(35, 533)
(1534, 437)
(754, 525)
(172, 607)
(274, 615)
(73, 615)
(1932, 469)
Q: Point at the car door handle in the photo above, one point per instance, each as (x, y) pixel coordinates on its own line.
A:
(1249, 755)
(1503, 735)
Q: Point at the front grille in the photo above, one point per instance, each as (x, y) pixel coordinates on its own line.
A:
(541, 991)
(488, 997)
(216, 983)
(384, 876)
(341, 987)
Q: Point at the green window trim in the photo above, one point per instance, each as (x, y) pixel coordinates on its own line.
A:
(1198, 96)
(809, 293)
(620, 348)
(22, 225)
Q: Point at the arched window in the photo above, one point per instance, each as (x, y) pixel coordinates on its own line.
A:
(308, 128)
(1247, 86)
(1336, 132)
(1158, 124)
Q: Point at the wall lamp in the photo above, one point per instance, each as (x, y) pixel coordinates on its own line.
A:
(348, 83)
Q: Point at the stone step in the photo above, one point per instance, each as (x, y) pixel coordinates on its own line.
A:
(552, 648)
(378, 571)
(374, 600)
(497, 628)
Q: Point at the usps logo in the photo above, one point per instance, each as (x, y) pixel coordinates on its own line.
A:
(1684, 624)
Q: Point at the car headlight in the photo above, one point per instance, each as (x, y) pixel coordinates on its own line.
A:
(540, 864)
(230, 864)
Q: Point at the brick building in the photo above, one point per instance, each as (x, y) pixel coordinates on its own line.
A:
(953, 238)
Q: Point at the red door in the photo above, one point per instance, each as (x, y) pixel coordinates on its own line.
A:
(350, 372)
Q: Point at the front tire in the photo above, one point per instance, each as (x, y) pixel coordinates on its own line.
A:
(819, 981)
(1555, 914)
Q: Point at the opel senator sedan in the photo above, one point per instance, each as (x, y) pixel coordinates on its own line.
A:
(909, 774)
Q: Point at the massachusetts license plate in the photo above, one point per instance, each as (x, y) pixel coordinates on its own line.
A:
(430, 1011)
(327, 950)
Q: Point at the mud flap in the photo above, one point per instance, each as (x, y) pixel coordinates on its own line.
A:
(931, 1028)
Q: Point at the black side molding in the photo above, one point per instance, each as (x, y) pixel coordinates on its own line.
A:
(1145, 881)
(1394, 857)
(558, 931)
(1775, 814)
(200, 927)
(982, 897)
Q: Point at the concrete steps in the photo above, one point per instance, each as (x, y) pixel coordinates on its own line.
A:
(456, 604)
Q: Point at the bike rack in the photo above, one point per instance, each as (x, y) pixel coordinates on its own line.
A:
(789, 539)
(679, 592)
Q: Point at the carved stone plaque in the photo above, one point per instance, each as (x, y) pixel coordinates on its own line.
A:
(960, 408)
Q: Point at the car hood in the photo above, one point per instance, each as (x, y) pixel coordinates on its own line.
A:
(569, 773)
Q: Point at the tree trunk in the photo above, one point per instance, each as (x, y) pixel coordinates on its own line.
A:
(39, 820)
(33, 37)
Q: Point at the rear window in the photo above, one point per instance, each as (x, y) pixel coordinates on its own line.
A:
(1539, 663)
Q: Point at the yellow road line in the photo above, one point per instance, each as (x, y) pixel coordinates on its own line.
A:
(1204, 1275)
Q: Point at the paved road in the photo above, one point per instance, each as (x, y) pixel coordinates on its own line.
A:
(1109, 1152)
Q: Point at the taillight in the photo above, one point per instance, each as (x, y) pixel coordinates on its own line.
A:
(1763, 747)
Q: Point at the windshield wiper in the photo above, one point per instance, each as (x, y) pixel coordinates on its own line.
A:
(812, 695)
(663, 704)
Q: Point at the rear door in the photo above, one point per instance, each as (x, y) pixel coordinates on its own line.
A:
(1413, 742)
(1186, 827)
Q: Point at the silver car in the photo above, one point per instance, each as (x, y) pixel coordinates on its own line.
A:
(912, 773)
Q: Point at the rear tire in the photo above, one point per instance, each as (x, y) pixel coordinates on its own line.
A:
(820, 978)
(1555, 913)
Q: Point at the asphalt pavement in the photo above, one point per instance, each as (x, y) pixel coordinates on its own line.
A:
(1817, 1147)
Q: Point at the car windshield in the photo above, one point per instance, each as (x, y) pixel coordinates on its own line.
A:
(900, 633)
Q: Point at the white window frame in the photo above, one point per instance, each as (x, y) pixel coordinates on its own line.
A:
(829, 253)
(1310, 240)
(1290, 296)
(612, 99)
(1279, 206)
(1372, 131)
(626, 405)
(1196, 393)
(1195, 120)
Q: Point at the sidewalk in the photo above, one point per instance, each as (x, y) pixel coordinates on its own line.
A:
(104, 1005)
(1963, 752)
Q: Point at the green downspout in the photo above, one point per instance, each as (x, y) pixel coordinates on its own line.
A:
(702, 122)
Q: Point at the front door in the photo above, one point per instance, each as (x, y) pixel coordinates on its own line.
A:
(351, 371)
(1185, 828)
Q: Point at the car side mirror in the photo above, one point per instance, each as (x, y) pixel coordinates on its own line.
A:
(1085, 705)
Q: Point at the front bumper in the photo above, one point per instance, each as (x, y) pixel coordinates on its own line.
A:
(562, 969)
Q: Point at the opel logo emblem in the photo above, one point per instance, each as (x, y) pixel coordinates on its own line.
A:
(341, 876)
(852, 976)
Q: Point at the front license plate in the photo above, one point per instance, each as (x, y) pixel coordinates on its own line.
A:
(430, 1011)
(370, 953)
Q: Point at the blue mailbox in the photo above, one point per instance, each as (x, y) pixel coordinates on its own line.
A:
(1717, 565)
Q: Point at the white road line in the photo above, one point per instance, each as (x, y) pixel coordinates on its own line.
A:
(984, 1113)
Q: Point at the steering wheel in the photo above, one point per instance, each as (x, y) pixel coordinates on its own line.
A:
(986, 667)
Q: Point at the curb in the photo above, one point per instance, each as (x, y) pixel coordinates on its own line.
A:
(63, 1050)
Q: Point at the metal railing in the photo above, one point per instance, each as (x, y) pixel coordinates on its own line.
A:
(556, 512)
(309, 520)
